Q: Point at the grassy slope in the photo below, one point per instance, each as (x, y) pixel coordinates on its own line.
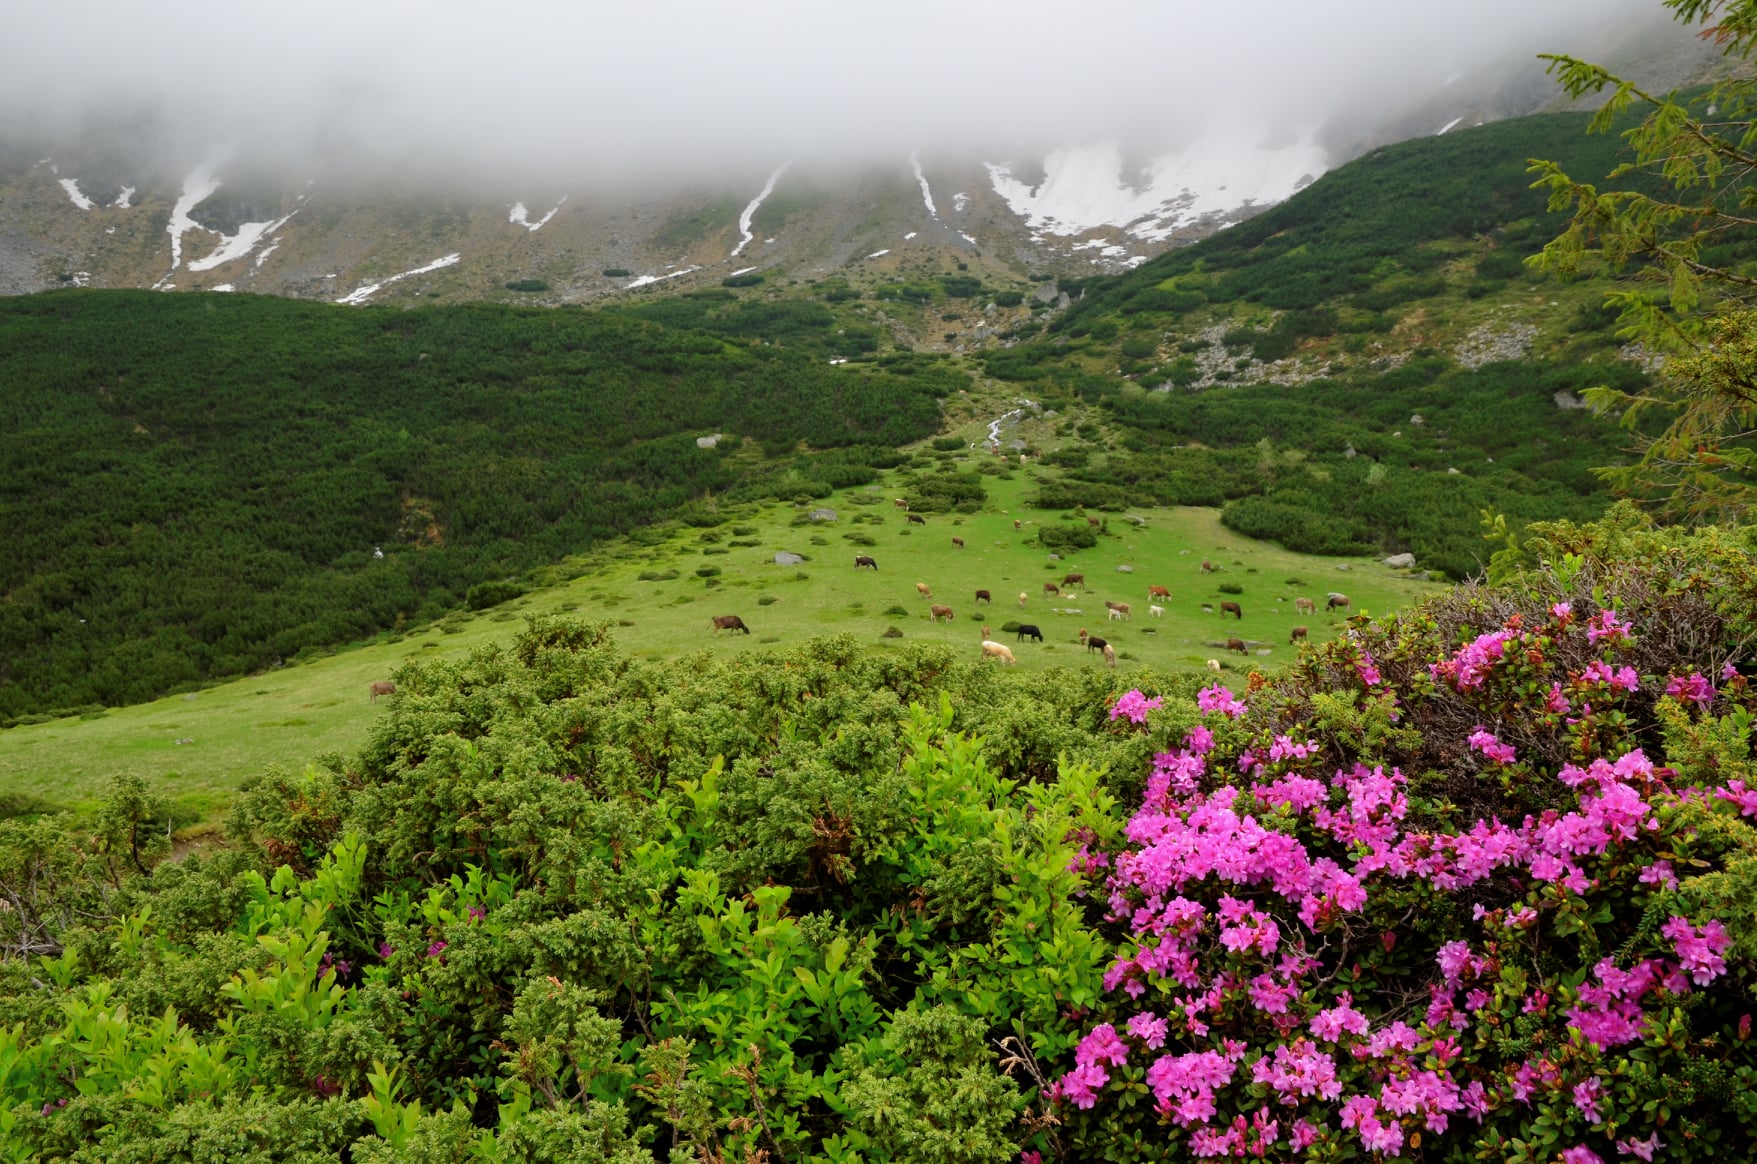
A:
(292, 715)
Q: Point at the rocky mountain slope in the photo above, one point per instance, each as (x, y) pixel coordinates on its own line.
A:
(105, 212)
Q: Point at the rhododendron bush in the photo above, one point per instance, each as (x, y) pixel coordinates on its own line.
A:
(1448, 891)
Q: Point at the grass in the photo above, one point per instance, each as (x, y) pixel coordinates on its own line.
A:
(293, 715)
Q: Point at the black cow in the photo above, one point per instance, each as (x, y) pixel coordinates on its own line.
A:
(1028, 630)
(862, 560)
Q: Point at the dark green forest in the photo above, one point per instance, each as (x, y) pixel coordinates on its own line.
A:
(194, 486)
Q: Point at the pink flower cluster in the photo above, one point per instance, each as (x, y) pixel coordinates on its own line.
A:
(1134, 706)
(1691, 688)
(1233, 895)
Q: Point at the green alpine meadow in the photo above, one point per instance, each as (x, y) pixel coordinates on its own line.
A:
(1240, 653)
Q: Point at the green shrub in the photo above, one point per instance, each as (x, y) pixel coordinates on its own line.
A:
(707, 571)
(1230, 588)
(749, 279)
(946, 444)
(486, 594)
(766, 600)
(616, 272)
(527, 285)
(1009, 298)
(657, 575)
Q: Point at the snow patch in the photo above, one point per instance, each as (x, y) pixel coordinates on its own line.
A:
(225, 287)
(266, 252)
(236, 246)
(1085, 188)
(960, 201)
(124, 200)
(71, 185)
(750, 211)
(520, 216)
(742, 271)
(909, 236)
(362, 294)
(879, 254)
(1448, 125)
(921, 179)
(646, 279)
(967, 238)
(197, 186)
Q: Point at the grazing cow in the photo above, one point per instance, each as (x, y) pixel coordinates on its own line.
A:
(999, 651)
(937, 612)
(1027, 630)
(1231, 608)
(986, 633)
(900, 503)
(1207, 566)
(1156, 611)
(1336, 602)
(1305, 605)
(382, 687)
(1094, 643)
(982, 596)
(1237, 645)
(862, 560)
(1299, 632)
(728, 622)
(1051, 588)
(959, 542)
(1117, 609)
(1016, 525)
(917, 519)
(1207, 608)
(1022, 597)
(1073, 580)
(921, 589)
(1094, 523)
(1158, 592)
(1110, 656)
(1214, 664)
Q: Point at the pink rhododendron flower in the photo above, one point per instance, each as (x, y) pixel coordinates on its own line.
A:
(1581, 1154)
(1586, 1096)
(1199, 740)
(1557, 703)
(1737, 793)
(1605, 625)
(1691, 688)
(1485, 742)
(1699, 950)
(1219, 698)
(1641, 1149)
(1134, 706)
(1149, 1028)
(1660, 873)
(1303, 1136)
(1102, 1046)
(1563, 611)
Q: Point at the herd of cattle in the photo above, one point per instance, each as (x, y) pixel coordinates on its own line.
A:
(1114, 611)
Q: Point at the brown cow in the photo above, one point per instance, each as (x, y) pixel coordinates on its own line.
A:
(1237, 645)
(986, 633)
(1336, 602)
(1305, 605)
(862, 560)
(1093, 642)
(1094, 523)
(1207, 566)
(937, 612)
(728, 622)
(1074, 580)
(1016, 524)
(900, 503)
(917, 519)
(921, 589)
(1158, 592)
(982, 596)
(1110, 656)
(1117, 609)
(382, 687)
(1231, 608)
(1299, 632)
(1051, 588)
(959, 542)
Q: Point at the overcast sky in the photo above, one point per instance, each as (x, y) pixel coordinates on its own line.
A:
(491, 83)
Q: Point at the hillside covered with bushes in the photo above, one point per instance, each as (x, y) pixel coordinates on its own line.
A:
(1365, 367)
(195, 486)
(1469, 882)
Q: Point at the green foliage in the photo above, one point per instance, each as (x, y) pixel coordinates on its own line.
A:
(1067, 537)
(616, 272)
(1009, 298)
(486, 594)
(527, 285)
(255, 450)
(746, 280)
